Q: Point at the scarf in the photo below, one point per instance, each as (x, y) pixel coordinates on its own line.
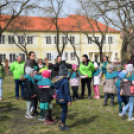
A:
(40, 66)
(97, 72)
(104, 70)
(111, 75)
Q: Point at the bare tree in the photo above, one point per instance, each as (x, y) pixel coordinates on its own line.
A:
(54, 10)
(120, 13)
(90, 19)
(9, 7)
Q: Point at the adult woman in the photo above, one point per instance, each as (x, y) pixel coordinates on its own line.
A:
(2, 75)
(86, 69)
(31, 61)
(105, 65)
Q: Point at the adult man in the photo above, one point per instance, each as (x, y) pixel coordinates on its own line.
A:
(17, 68)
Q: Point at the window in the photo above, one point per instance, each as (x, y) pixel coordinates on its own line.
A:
(23, 56)
(48, 40)
(116, 54)
(104, 40)
(72, 56)
(21, 40)
(72, 40)
(49, 56)
(2, 57)
(2, 39)
(66, 56)
(11, 40)
(55, 38)
(64, 40)
(89, 40)
(29, 40)
(110, 40)
(97, 38)
(12, 57)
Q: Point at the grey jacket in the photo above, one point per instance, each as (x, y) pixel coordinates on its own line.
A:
(109, 85)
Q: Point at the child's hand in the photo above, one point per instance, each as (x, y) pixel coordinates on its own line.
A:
(69, 103)
(125, 80)
(33, 96)
(121, 93)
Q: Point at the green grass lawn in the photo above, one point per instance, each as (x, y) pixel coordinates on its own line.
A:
(84, 116)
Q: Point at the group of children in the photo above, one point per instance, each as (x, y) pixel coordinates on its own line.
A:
(41, 87)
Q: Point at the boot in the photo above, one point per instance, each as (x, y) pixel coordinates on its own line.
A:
(112, 103)
(105, 103)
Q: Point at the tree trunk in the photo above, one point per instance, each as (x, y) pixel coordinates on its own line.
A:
(101, 54)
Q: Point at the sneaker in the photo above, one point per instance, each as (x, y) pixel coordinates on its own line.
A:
(131, 119)
(35, 113)
(64, 127)
(112, 104)
(54, 121)
(29, 116)
(97, 97)
(41, 119)
(120, 114)
(89, 97)
(105, 103)
(32, 108)
(47, 122)
(17, 98)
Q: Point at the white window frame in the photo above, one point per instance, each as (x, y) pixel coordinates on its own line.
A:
(72, 40)
(66, 56)
(21, 39)
(64, 40)
(2, 39)
(22, 55)
(90, 41)
(13, 57)
(110, 40)
(48, 40)
(2, 57)
(29, 40)
(55, 40)
(11, 39)
(72, 57)
(48, 55)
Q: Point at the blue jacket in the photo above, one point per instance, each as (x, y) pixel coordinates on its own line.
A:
(62, 90)
(120, 98)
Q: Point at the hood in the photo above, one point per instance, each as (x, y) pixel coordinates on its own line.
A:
(57, 81)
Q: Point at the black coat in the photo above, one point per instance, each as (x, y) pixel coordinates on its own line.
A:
(46, 94)
(28, 89)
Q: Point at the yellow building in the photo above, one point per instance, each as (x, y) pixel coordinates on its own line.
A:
(40, 34)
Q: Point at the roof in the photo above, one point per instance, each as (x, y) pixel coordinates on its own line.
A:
(73, 23)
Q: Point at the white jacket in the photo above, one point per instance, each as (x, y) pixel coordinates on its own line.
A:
(96, 79)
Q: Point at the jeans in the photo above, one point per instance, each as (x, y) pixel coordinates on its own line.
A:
(121, 106)
(29, 105)
(96, 90)
(129, 106)
(1, 82)
(88, 82)
(75, 92)
(64, 112)
(17, 84)
(111, 96)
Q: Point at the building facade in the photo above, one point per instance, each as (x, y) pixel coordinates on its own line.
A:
(43, 43)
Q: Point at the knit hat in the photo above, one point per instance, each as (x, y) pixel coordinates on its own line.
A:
(125, 66)
(28, 70)
(111, 67)
(130, 68)
(74, 66)
(84, 55)
(96, 65)
(46, 73)
(63, 71)
(123, 74)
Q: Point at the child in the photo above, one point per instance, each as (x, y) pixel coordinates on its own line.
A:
(74, 81)
(127, 89)
(28, 91)
(45, 95)
(121, 99)
(96, 81)
(109, 82)
(63, 97)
